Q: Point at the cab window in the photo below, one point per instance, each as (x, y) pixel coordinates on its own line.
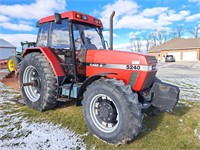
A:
(59, 35)
(43, 35)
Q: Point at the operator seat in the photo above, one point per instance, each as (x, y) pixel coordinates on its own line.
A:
(88, 44)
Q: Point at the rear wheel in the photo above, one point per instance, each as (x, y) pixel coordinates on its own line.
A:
(37, 82)
(112, 111)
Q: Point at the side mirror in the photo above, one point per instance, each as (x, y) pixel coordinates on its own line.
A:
(38, 24)
(57, 18)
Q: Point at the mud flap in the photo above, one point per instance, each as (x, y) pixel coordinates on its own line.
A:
(165, 96)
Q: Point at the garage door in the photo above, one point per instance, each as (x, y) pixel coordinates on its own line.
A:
(177, 55)
(190, 55)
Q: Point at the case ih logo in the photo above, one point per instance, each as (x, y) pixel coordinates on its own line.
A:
(97, 65)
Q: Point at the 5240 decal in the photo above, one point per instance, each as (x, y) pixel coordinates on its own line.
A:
(133, 67)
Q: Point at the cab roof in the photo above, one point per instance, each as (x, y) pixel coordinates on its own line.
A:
(76, 16)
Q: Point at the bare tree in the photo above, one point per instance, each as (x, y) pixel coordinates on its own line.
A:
(136, 44)
(162, 36)
(173, 33)
(147, 40)
(153, 36)
(195, 31)
(178, 31)
(139, 44)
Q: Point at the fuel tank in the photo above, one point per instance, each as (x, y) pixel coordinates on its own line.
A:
(137, 70)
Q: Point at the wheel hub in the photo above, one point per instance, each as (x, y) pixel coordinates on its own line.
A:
(106, 111)
(32, 83)
(37, 83)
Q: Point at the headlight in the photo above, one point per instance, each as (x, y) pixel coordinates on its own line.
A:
(152, 67)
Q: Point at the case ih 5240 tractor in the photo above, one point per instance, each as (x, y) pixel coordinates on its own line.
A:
(70, 61)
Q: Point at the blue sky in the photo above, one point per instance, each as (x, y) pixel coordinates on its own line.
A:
(133, 17)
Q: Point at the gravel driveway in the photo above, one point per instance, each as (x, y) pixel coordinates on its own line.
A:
(185, 75)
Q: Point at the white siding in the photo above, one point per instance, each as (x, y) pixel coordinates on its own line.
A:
(190, 55)
(6, 53)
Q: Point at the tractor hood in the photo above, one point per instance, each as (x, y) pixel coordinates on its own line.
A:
(124, 64)
(95, 57)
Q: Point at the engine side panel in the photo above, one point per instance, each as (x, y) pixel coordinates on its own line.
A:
(122, 63)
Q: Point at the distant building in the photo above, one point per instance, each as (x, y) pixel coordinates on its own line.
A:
(182, 49)
(6, 49)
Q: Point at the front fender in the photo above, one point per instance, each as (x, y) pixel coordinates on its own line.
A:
(87, 82)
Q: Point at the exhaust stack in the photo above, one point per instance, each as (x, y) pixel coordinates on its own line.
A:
(111, 30)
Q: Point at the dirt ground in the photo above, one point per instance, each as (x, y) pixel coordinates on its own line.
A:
(9, 79)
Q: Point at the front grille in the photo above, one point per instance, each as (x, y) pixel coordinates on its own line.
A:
(151, 59)
(149, 80)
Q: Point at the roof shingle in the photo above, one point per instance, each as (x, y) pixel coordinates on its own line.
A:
(177, 43)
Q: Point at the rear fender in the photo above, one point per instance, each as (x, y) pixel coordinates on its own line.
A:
(50, 56)
(87, 82)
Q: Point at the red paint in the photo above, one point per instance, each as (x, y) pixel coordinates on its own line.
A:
(50, 56)
(117, 57)
(71, 15)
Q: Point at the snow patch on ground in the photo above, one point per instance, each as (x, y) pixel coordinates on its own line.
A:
(19, 133)
(196, 133)
(189, 87)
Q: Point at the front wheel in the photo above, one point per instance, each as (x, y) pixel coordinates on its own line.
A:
(112, 111)
(37, 82)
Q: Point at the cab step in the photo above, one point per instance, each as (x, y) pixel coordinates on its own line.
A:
(63, 99)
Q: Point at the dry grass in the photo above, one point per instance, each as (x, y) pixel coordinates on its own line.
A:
(175, 130)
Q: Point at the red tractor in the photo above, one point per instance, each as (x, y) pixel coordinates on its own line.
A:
(70, 61)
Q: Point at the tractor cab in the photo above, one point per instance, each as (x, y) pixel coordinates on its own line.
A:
(70, 35)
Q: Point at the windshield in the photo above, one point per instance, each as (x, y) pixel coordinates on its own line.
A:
(89, 36)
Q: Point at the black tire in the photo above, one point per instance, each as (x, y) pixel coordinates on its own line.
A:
(14, 60)
(35, 68)
(127, 121)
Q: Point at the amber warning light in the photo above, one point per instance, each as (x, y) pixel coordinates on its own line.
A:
(79, 16)
(97, 21)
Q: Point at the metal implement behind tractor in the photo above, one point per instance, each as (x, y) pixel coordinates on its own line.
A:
(70, 61)
(14, 61)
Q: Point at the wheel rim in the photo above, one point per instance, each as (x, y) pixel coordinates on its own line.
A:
(10, 65)
(31, 76)
(104, 113)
